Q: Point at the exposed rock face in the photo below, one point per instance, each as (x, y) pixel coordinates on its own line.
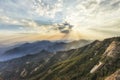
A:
(114, 76)
(112, 51)
(113, 48)
(97, 67)
(23, 73)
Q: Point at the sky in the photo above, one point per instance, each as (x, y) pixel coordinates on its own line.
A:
(42, 19)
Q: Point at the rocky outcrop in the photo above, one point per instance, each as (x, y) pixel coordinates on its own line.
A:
(97, 67)
(113, 48)
(114, 76)
(23, 73)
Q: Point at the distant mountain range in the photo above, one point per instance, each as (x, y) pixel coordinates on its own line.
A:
(99, 60)
(36, 47)
(6, 47)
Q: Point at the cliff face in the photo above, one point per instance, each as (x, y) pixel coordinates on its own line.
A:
(111, 52)
(114, 76)
(113, 49)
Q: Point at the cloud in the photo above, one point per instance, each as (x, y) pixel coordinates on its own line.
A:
(30, 26)
(65, 28)
(8, 20)
(86, 16)
(47, 8)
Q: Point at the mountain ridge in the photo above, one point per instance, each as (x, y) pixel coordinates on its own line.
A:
(90, 62)
(35, 47)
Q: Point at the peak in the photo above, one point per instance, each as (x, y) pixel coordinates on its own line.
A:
(95, 42)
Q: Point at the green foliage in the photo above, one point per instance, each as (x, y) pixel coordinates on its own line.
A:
(79, 64)
(76, 65)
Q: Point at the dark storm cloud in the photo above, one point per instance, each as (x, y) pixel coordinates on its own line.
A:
(65, 28)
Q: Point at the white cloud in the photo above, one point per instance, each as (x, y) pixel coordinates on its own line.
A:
(83, 14)
(7, 20)
(47, 8)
